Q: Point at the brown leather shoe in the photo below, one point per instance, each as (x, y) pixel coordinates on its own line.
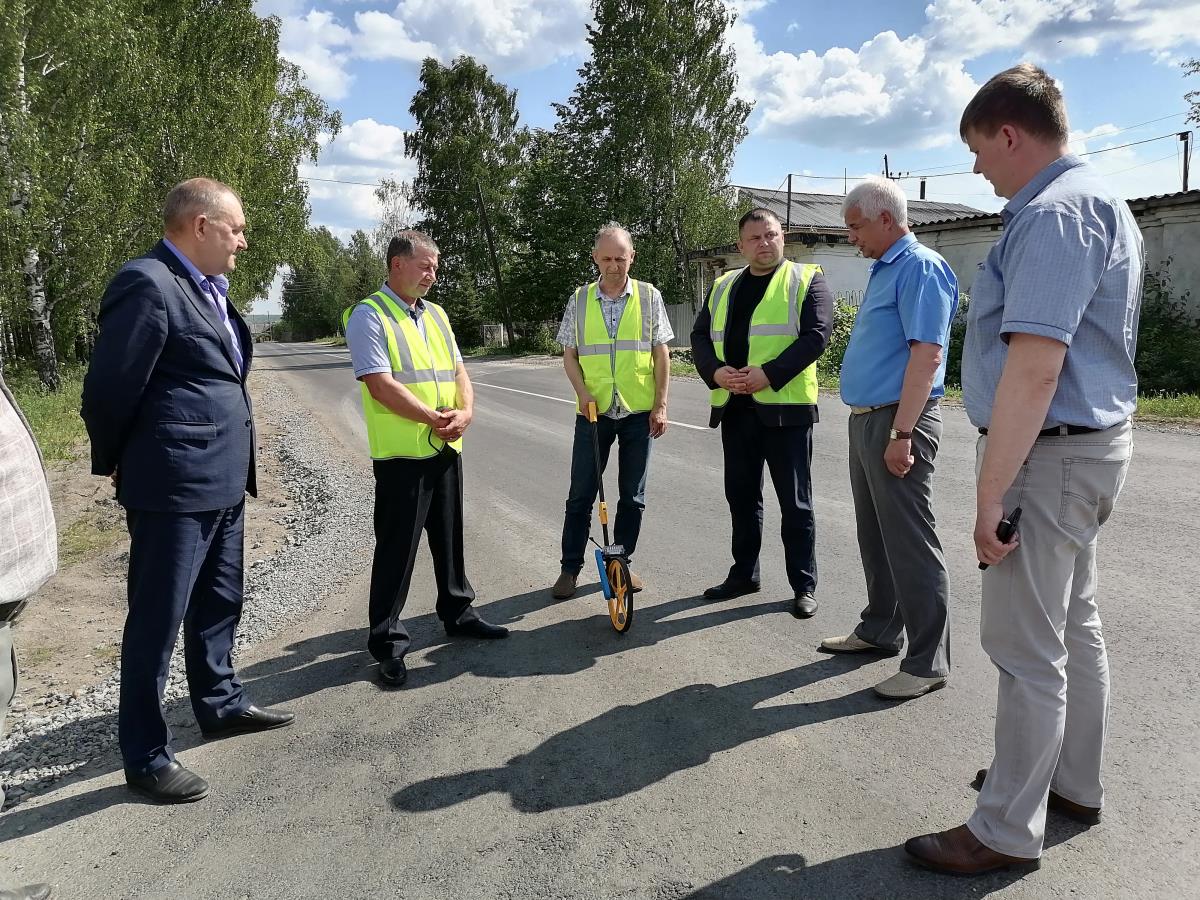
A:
(635, 582)
(564, 588)
(959, 852)
(1088, 815)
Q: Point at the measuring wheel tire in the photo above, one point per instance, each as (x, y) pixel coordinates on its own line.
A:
(620, 604)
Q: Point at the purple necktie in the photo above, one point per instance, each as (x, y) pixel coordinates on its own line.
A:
(218, 289)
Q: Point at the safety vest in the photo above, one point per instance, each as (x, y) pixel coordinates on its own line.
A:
(424, 365)
(623, 362)
(774, 325)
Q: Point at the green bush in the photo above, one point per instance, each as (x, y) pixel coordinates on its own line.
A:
(1168, 351)
(958, 332)
(829, 366)
(540, 339)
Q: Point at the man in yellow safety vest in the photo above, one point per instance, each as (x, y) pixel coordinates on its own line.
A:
(756, 344)
(614, 335)
(417, 401)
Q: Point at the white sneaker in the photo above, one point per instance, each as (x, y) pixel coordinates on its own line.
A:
(852, 643)
(903, 686)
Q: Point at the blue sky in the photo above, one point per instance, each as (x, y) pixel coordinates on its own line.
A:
(835, 85)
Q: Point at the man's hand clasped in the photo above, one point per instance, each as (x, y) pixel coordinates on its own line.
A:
(746, 380)
(450, 424)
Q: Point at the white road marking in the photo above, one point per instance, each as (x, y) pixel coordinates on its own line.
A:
(572, 402)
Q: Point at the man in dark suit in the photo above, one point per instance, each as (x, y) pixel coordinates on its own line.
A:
(168, 414)
(756, 344)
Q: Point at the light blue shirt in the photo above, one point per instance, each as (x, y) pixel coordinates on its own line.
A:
(1069, 267)
(368, 342)
(912, 295)
(215, 289)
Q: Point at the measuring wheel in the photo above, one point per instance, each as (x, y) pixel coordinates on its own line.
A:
(620, 601)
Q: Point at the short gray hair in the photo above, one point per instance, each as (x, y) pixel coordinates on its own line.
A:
(875, 195)
(407, 243)
(613, 229)
(195, 197)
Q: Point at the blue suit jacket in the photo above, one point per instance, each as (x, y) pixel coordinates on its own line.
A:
(163, 401)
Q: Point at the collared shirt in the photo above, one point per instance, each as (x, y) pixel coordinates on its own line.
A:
(911, 295)
(28, 541)
(1069, 267)
(612, 308)
(368, 341)
(216, 289)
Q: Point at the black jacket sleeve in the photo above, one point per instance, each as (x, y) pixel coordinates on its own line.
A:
(816, 326)
(704, 354)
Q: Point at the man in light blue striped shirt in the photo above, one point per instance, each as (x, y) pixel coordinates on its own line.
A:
(1048, 379)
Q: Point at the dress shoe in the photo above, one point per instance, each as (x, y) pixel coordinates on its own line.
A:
(959, 852)
(903, 686)
(730, 588)
(1087, 815)
(170, 784)
(852, 643)
(635, 583)
(564, 588)
(250, 719)
(393, 672)
(476, 628)
(805, 605)
(27, 892)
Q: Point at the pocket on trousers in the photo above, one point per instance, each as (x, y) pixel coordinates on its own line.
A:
(1089, 490)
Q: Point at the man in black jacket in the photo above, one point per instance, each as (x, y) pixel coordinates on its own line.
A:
(756, 343)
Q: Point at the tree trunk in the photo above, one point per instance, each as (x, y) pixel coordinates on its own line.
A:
(40, 306)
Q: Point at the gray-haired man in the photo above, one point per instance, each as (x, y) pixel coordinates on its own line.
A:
(892, 377)
(614, 335)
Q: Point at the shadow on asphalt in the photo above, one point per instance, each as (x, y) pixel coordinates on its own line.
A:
(262, 367)
(628, 748)
(327, 661)
(879, 874)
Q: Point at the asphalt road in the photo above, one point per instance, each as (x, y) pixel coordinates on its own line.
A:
(709, 752)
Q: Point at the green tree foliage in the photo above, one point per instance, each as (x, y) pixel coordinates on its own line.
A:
(328, 277)
(1192, 67)
(466, 134)
(103, 107)
(1168, 351)
(648, 137)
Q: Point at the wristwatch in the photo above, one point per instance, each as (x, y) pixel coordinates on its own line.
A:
(895, 435)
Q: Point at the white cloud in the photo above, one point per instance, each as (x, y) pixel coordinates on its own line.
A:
(908, 92)
(320, 46)
(507, 35)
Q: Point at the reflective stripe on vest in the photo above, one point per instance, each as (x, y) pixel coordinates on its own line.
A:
(624, 362)
(774, 325)
(425, 366)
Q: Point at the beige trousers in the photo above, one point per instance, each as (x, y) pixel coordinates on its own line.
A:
(1040, 625)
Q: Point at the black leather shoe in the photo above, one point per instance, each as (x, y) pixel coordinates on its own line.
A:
(805, 606)
(476, 628)
(1086, 815)
(170, 784)
(249, 720)
(393, 672)
(27, 892)
(730, 588)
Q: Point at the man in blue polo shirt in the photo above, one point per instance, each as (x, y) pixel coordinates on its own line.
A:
(892, 377)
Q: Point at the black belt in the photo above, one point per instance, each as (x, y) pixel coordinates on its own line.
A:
(1060, 430)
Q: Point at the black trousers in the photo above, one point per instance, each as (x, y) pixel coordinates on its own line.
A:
(787, 451)
(412, 495)
(184, 568)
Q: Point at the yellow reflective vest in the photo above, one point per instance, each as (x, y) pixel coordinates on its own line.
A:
(774, 325)
(424, 365)
(624, 362)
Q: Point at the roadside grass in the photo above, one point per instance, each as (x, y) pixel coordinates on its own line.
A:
(334, 340)
(36, 656)
(54, 417)
(82, 538)
(1169, 406)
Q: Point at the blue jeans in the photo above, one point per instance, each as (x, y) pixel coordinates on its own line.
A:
(633, 458)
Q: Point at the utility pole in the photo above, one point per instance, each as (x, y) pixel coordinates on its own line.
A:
(887, 173)
(1186, 137)
(788, 225)
(922, 188)
(487, 231)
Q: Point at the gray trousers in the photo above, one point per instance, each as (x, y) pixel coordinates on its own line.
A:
(907, 586)
(1040, 625)
(8, 679)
